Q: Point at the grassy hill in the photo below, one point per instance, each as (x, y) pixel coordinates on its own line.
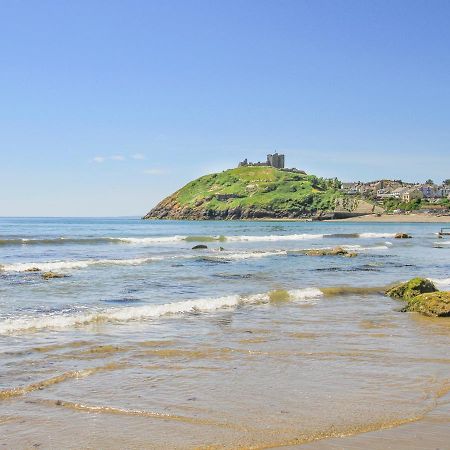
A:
(250, 192)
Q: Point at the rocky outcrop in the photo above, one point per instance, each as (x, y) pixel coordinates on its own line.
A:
(49, 275)
(336, 251)
(431, 304)
(422, 296)
(407, 291)
(170, 208)
(402, 236)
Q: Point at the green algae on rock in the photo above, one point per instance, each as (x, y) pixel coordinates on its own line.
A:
(48, 275)
(431, 304)
(407, 291)
(422, 296)
(336, 251)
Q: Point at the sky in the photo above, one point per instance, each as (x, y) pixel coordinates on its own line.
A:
(108, 106)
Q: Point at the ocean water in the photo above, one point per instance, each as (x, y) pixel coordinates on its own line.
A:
(147, 343)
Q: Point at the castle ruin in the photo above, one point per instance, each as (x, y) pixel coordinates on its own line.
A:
(274, 160)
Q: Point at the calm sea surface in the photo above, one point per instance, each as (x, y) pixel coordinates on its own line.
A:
(147, 343)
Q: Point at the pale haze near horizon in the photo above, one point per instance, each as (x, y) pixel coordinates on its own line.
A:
(107, 107)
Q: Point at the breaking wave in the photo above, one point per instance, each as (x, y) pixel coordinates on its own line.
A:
(50, 266)
(68, 265)
(179, 238)
(376, 235)
(214, 255)
(250, 255)
(441, 283)
(124, 314)
(93, 240)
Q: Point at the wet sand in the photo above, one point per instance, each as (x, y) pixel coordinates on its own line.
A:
(430, 433)
(276, 375)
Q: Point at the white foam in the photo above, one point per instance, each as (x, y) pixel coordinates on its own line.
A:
(124, 314)
(305, 294)
(300, 237)
(376, 235)
(68, 265)
(351, 247)
(63, 266)
(150, 240)
(376, 247)
(284, 237)
(46, 266)
(250, 255)
(441, 283)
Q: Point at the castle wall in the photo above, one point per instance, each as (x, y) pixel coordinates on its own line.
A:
(274, 160)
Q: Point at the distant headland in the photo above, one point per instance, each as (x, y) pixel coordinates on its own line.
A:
(269, 190)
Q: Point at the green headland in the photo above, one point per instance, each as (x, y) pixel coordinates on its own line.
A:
(252, 192)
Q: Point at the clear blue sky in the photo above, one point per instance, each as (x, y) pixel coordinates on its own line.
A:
(107, 106)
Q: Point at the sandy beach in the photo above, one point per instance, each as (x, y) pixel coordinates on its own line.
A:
(400, 218)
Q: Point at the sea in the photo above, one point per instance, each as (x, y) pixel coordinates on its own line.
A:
(143, 341)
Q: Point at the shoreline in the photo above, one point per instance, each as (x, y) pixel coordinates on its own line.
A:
(397, 218)
(384, 218)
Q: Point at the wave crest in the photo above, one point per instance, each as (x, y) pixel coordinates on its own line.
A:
(124, 314)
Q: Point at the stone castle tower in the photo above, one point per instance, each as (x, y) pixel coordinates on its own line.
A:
(276, 160)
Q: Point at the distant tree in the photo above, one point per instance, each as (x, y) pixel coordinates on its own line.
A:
(429, 181)
(446, 182)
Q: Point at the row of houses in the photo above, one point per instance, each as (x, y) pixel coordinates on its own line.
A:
(397, 189)
(405, 194)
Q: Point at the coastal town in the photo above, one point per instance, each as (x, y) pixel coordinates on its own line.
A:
(399, 197)
(384, 196)
(393, 196)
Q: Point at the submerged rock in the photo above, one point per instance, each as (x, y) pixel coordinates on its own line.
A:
(336, 251)
(407, 291)
(402, 236)
(199, 247)
(33, 269)
(48, 275)
(431, 304)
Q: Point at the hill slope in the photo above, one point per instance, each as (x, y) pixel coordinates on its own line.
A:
(250, 192)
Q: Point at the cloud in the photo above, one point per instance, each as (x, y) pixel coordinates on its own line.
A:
(118, 157)
(156, 171)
